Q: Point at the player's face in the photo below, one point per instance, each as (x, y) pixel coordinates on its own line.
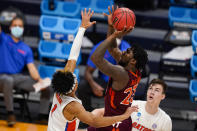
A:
(126, 57)
(155, 94)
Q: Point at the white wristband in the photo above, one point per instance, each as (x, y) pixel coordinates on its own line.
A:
(75, 50)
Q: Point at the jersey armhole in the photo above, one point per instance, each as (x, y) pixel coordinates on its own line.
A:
(64, 106)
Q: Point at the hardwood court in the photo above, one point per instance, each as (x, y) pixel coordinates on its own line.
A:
(20, 126)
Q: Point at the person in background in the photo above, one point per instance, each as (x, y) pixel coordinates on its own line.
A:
(149, 116)
(14, 56)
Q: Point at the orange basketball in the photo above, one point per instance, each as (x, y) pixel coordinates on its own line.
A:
(123, 17)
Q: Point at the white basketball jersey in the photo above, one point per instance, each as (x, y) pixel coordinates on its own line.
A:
(57, 121)
(142, 121)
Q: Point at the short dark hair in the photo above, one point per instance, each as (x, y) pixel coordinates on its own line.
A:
(62, 82)
(160, 82)
(18, 17)
(140, 55)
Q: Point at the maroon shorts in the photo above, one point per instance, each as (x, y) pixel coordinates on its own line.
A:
(125, 125)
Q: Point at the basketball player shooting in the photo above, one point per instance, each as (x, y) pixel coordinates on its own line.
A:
(67, 109)
(124, 77)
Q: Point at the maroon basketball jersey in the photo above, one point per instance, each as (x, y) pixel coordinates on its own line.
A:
(116, 103)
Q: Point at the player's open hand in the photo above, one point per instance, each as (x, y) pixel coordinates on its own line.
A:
(85, 22)
(130, 110)
(120, 34)
(109, 16)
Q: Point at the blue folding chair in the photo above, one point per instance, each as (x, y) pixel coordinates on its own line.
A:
(58, 28)
(183, 17)
(61, 8)
(55, 51)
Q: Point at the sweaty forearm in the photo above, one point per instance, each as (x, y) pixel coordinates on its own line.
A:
(109, 33)
(70, 66)
(99, 53)
(110, 30)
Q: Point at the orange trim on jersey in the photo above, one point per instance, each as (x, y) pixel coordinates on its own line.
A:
(138, 80)
(115, 129)
(70, 126)
(135, 81)
(112, 94)
(54, 108)
(58, 98)
(134, 73)
(140, 127)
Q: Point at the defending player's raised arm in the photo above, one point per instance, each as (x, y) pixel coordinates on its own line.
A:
(115, 71)
(75, 50)
(78, 110)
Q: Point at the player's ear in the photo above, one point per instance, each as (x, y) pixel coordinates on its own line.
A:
(163, 96)
(133, 61)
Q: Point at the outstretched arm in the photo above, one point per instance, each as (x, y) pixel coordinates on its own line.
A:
(113, 49)
(75, 50)
(98, 112)
(91, 119)
(115, 71)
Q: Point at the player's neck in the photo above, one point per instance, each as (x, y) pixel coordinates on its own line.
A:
(72, 94)
(133, 69)
(151, 108)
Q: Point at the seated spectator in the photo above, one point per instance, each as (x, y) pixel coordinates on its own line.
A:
(15, 55)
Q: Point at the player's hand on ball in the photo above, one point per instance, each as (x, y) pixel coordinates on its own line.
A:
(85, 22)
(119, 34)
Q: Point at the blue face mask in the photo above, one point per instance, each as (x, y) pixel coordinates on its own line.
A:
(17, 31)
